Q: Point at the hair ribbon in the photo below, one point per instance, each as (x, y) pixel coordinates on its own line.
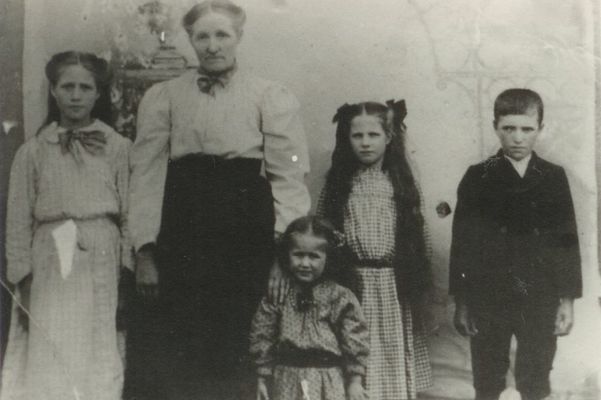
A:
(342, 112)
(397, 112)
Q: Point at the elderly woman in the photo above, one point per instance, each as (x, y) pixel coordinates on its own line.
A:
(204, 215)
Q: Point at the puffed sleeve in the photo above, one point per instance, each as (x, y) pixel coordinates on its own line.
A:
(353, 334)
(264, 334)
(285, 154)
(148, 158)
(122, 180)
(19, 218)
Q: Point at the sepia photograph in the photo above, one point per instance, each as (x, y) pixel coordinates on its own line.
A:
(300, 199)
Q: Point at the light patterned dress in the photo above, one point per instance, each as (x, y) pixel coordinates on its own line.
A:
(70, 348)
(333, 325)
(399, 365)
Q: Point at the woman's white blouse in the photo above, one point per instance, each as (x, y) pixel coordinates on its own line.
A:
(248, 117)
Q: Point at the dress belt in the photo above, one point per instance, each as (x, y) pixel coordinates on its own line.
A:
(55, 220)
(373, 263)
(309, 359)
(209, 163)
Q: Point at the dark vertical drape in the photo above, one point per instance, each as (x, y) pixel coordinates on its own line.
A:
(11, 123)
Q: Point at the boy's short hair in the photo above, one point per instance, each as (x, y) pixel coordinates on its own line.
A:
(517, 102)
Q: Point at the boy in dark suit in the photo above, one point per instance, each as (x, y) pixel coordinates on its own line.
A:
(515, 261)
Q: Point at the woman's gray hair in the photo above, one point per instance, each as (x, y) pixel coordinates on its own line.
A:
(226, 7)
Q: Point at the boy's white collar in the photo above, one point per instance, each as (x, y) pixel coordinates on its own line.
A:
(521, 165)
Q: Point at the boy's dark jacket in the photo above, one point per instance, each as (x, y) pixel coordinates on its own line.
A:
(514, 238)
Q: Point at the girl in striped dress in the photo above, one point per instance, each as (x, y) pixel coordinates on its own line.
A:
(371, 196)
(66, 239)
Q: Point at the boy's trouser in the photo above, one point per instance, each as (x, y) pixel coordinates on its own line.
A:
(533, 326)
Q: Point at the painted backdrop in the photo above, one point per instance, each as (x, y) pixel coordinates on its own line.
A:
(448, 60)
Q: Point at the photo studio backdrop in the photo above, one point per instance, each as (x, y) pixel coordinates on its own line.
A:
(448, 60)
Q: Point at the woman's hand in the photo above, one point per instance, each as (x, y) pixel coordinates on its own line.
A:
(354, 390)
(262, 392)
(147, 274)
(23, 309)
(464, 320)
(278, 285)
(564, 319)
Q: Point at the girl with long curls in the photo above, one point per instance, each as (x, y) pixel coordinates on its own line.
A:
(372, 197)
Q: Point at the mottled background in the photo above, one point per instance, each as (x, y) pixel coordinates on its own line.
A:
(448, 59)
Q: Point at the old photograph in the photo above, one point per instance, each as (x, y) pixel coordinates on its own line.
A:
(300, 199)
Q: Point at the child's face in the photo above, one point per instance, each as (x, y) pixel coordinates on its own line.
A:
(368, 139)
(518, 133)
(307, 257)
(75, 93)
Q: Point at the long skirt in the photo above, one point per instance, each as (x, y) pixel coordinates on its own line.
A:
(69, 351)
(398, 365)
(214, 251)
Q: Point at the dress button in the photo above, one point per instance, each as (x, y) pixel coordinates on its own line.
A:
(503, 229)
(536, 231)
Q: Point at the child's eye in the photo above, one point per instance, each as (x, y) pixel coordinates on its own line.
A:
(202, 36)
(222, 34)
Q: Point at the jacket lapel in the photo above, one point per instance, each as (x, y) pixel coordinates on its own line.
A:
(534, 173)
(500, 170)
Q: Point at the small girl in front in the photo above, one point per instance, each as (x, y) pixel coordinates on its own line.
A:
(372, 197)
(313, 346)
(66, 240)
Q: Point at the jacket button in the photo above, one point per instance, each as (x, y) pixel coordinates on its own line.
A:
(536, 231)
(503, 229)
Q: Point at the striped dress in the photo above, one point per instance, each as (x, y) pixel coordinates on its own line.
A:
(398, 365)
(70, 349)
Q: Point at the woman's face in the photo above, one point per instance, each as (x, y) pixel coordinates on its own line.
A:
(75, 93)
(215, 41)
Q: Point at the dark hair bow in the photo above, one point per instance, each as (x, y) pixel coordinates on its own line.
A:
(342, 111)
(398, 110)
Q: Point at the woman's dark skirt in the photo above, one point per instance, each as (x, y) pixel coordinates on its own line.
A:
(214, 252)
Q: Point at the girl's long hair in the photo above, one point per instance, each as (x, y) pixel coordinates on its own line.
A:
(412, 268)
(101, 71)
